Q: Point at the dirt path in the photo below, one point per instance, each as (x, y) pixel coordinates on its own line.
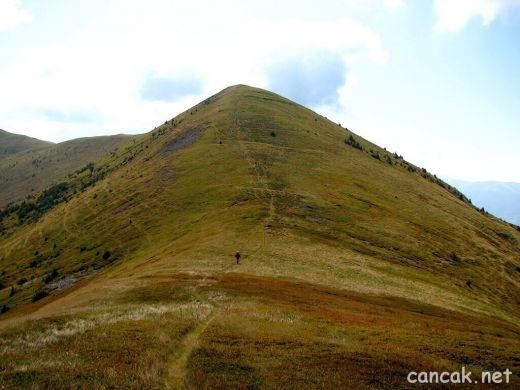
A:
(178, 362)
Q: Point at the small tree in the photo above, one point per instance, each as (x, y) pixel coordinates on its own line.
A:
(39, 295)
(352, 142)
(50, 276)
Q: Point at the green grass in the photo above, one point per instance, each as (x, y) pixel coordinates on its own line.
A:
(348, 275)
(33, 168)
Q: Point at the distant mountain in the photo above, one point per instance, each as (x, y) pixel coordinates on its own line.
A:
(357, 267)
(501, 199)
(29, 165)
(11, 144)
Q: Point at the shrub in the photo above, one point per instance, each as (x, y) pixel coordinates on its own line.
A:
(12, 292)
(352, 142)
(106, 255)
(39, 295)
(1, 285)
(455, 258)
(88, 167)
(34, 263)
(273, 134)
(50, 276)
(4, 309)
(468, 283)
(21, 281)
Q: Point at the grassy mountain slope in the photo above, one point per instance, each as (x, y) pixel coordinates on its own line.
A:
(11, 144)
(33, 170)
(357, 266)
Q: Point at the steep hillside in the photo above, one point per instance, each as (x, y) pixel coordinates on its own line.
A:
(11, 144)
(32, 170)
(356, 268)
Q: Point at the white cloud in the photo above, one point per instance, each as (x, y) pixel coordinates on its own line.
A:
(11, 14)
(100, 72)
(452, 15)
(393, 4)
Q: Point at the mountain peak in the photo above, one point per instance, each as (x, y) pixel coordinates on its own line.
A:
(340, 240)
(242, 90)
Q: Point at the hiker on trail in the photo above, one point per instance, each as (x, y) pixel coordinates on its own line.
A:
(237, 256)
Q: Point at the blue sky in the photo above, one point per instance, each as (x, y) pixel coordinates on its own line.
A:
(437, 81)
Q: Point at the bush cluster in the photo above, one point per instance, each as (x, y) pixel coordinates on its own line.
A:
(352, 142)
(47, 199)
(39, 295)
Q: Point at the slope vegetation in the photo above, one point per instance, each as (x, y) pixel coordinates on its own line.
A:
(357, 266)
(29, 171)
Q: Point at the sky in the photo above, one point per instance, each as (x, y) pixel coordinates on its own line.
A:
(437, 81)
